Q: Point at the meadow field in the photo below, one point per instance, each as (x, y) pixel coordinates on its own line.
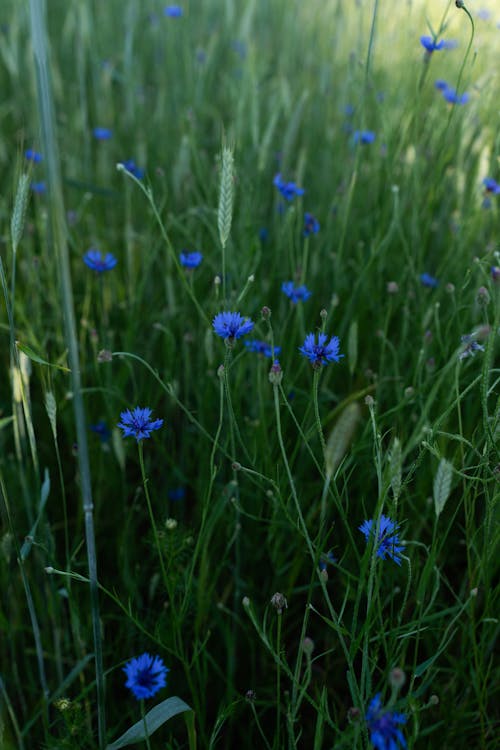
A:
(249, 392)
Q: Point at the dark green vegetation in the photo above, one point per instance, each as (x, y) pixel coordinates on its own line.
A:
(275, 474)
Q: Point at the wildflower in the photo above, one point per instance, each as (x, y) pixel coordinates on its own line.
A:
(491, 186)
(287, 189)
(441, 85)
(137, 423)
(173, 11)
(146, 675)
(176, 494)
(428, 280)
(190, 260)
(364, 136)
(38, 187)
(275, 373)
(131, 166)
(263, 234)
(279, 602)
(33, 156)
(452, 97)
(97, 262)
(348, 110)
(383, 726)
(311, 225)
(261, 347)
(495, 273)
(231, 325)
(102, 430)
(387, 539)
(430, 45)
(327, 559)
(470, 347)
(321, 353)
(296, 294)
(102, 134)
(484, 14)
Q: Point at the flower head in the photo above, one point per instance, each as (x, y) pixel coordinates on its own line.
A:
(321, 352)
(130, 166)
(295, 293)
(262, 347)
(383, 726)
(173, 11)
(102, 134)
(441, 85)
(430, 44)
(231, 325)
(470, 347)
(98, 262)
(137, 423)
(495, 273)
(387, 537)
(452, 97)
(428, 280)
(102, 430)
(176, 494)
(33, 156)
(38, 187)
(190, 260)
(146, 675)
(364, 136)
(287, 189)
(311, 225)
(491, 186)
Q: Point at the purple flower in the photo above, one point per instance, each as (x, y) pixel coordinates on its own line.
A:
(428, 280)
(470, 347)
(33, 156)
(311, 225)
(495, 273)
(231, 325)
(287, 189)
(97, 262)
(296, 294)
(102, 134)
(491, 186)
(173, 11)
(190, 260)
(383, 726)
(132, 167)
(363, 136)
(137, 423)
(262, 347)
(387, 541)
(146, 675)
(320, 352)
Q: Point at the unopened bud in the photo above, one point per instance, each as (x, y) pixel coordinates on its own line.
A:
(397, 678)
(104, 356)
(482, 296)
(353, 715)
(266, 312)
(279, 602)
(275, 373)
(308, 645)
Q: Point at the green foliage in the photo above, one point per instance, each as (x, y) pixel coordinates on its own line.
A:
(255, 484)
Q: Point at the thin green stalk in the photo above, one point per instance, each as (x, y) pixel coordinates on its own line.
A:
(58, 243)
(146, 733)
(151, 515)
(316, 413)
(278, 681)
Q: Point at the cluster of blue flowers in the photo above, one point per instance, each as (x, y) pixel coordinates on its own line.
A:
(450, 94)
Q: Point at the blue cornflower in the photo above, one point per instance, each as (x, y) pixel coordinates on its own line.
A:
(263, 234)
(176, 494)
(102, 134)
(430, 45)
(38, 187)
(348, 110)
(296, 294)
(383, 726)
(363, 136)
(387, 539)
(146, 675)
(137, 423)
(321, 353)
(491, 186)
(441, 85)
(190, 260)
(428, 280)
(97, 262)
(287, 189)
(132, 167)
(32, 155)
(262, 347)
(327, 559)
(173, 11)
(311, 225)
(231, 325)
(102, 430)
(470, 347)
(452, 97)
(495, 273)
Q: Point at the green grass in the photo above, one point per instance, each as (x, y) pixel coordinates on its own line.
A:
(98, 563)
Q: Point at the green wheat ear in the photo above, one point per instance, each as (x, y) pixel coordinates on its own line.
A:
(19, 212)
(226, 195)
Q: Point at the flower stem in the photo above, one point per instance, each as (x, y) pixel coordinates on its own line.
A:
(151, 516)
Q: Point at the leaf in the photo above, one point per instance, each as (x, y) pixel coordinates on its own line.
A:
(153, 720)
(395, 466)
(44, 494)
(442, 485)
(352, 346)
(36, 358)
(5, 421)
